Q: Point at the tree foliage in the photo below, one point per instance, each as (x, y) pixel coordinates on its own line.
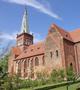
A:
(3, 69)
(4, 63)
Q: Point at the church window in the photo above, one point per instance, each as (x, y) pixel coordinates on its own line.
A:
(71, 66)
(28, 62)
(25, 68)
(32, 63)
(51, 54)
(19, 68)
(43, 60)
(57, 54)
(25, 64)
(36, 61)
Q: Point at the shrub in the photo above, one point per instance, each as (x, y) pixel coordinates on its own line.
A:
(70, 74)
(54, 76)
(57, 76)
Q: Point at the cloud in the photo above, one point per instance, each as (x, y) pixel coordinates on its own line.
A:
(44, 8)
(12, 37)
(9, 40)
(6, 36)
(6, 42)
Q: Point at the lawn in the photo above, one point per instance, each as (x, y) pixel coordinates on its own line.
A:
(71, 87)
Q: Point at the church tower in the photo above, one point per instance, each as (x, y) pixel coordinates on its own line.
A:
(24, 39)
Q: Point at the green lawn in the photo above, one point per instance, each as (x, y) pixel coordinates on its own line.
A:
(71, 87)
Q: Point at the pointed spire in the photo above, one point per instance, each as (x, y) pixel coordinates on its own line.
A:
(25, 27)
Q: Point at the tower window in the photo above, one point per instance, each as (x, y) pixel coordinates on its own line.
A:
(57, 54)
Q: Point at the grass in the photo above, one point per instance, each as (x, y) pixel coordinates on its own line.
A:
(25, 89)
(71, 87)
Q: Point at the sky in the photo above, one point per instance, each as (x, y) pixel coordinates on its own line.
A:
(41, 14)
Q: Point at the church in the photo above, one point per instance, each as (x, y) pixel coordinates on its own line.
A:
(59, 50)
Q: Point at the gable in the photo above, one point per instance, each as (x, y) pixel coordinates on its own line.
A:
(61, 32)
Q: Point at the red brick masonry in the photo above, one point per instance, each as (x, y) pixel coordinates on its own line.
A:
(59, 50)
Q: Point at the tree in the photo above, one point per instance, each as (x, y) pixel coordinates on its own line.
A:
(4, 63)
(3, 69)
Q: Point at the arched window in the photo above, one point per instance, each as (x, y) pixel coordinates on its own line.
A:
(25, 64)
(51, 54)
(57, 54)
(19, 68)
(32, 63)
(71, 66)
(28, 60)
(43, 60)
(25, 68)
(36, 61)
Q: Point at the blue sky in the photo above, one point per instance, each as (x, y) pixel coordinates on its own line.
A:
(41, 14)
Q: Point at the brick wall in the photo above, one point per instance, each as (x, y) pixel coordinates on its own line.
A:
(69, 54)
(54, 45)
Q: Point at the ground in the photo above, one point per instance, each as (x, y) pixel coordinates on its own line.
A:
(71, 87)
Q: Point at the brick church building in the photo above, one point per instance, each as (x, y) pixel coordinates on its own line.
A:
(59, 50)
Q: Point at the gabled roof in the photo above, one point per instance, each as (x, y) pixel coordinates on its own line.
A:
(63, 32)
(33, 50)
(73, 36)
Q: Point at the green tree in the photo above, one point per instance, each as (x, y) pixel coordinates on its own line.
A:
(3, 69)
(4, 63)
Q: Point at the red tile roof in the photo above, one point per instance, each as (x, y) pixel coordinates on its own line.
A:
(16, 50)
(37, 49)
(32, 50)
(75, 35)
(63, 32)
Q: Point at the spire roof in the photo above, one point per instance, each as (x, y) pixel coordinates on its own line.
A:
(25, 27)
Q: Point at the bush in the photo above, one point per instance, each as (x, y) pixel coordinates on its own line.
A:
(9, 84)
(57, 76)
(26, 83)
(70, 74)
